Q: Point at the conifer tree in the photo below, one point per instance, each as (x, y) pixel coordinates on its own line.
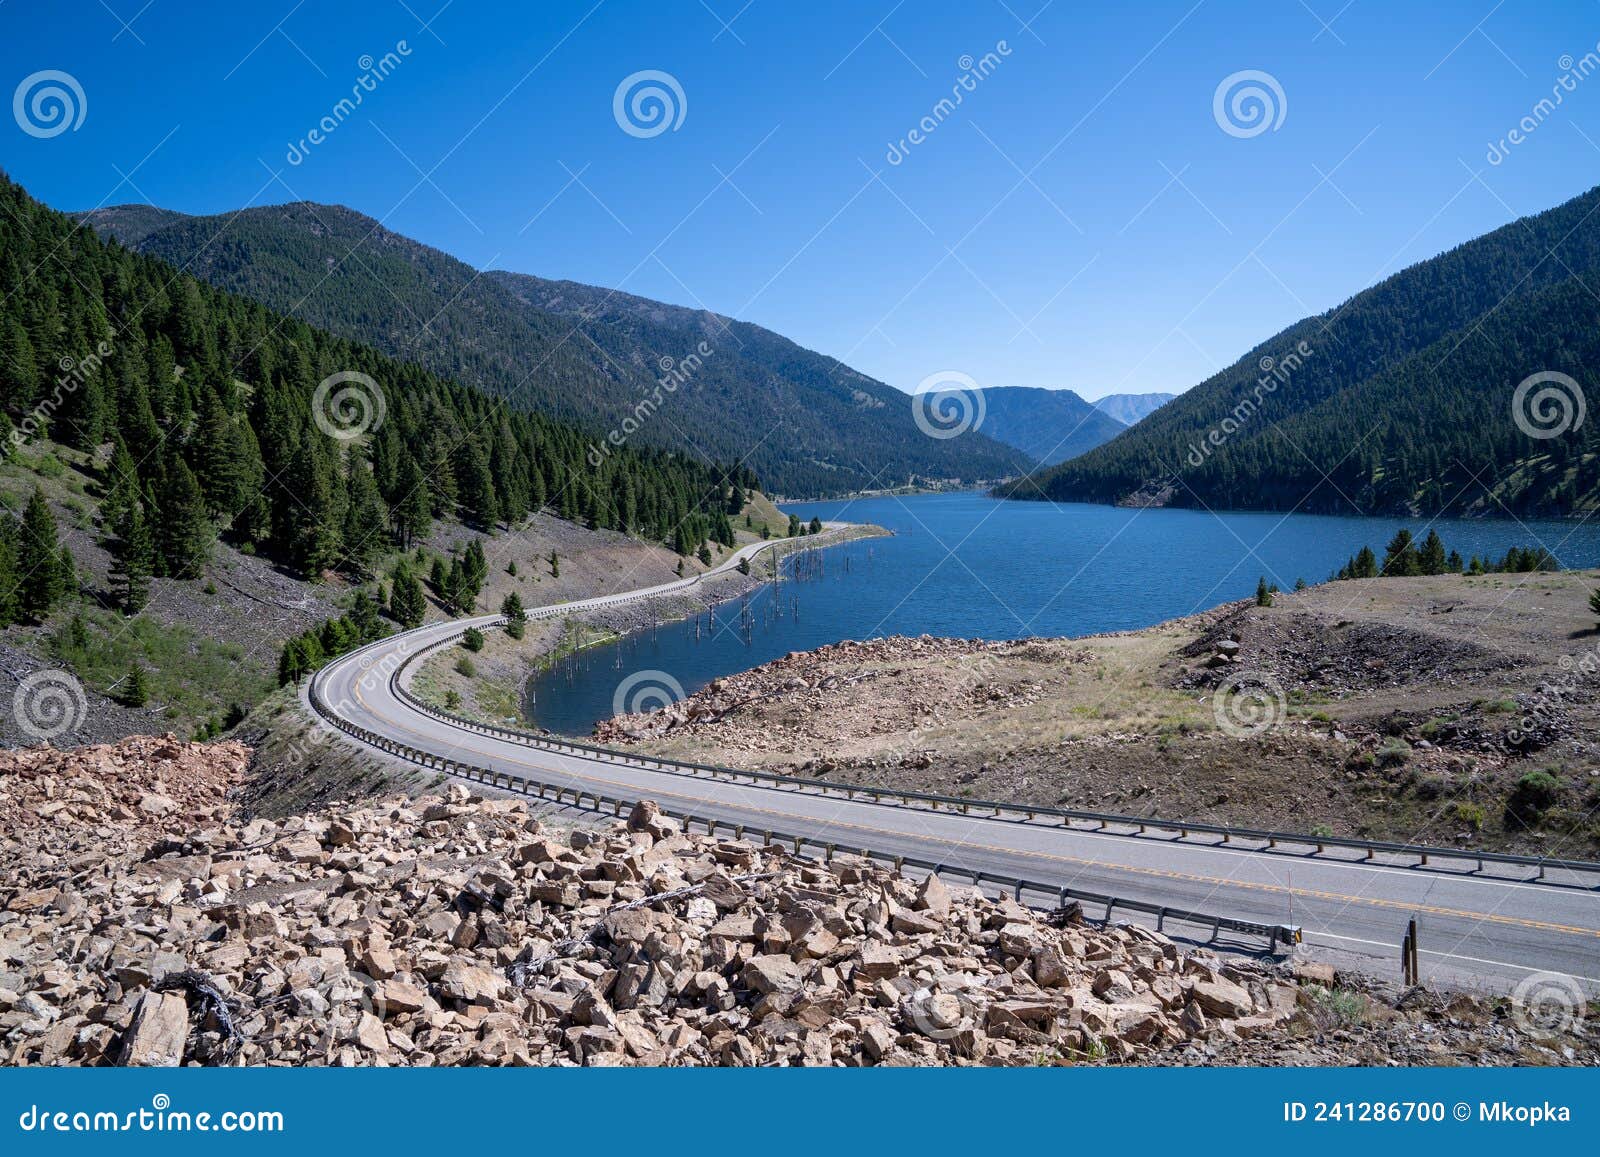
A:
(407, 604)
(1431, 559)
(135, 689)
(132, 560)
(39, 571)
(183, 533)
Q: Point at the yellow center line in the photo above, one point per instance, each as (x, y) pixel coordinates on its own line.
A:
(1162, 873)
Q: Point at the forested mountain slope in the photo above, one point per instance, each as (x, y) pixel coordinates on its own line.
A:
(203, 407)
(1400, 401)
(727, 390)
(1049, 426)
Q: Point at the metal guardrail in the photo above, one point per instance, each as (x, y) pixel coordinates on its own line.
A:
(1424, 853)
(1016, 886)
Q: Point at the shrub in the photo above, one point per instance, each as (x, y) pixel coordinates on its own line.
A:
(452, 699)
(1394, 753)
(1536, 792)
(466, 667)
(473, 639)
(1471, 814)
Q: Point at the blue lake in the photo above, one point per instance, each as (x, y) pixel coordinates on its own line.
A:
(971, 566)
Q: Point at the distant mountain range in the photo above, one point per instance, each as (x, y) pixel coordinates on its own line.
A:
(727, 390)
(1130, 409)
(1049, 426)
(1455, 386)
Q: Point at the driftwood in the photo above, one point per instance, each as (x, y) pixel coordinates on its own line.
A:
(198, 986)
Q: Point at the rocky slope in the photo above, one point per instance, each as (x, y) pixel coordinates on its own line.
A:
(143, 921)
(1404, 708)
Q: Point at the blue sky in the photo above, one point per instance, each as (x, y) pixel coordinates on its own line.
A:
(1082, 218)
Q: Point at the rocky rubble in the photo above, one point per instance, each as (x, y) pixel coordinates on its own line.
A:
(142, 922)
(807, 681)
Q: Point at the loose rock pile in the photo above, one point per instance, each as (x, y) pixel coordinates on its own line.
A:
(457, 930)
(970, 676)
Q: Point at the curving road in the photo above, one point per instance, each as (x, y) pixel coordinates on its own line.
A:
(1493, 928)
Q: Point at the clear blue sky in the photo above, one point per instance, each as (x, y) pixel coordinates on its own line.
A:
(1080, 220)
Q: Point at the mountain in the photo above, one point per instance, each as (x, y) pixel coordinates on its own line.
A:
(1129, 409)
(1049, 426)
(307, 448)
(683, 379)
(1420, 396)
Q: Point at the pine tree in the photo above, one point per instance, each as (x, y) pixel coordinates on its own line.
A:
(407, 604)
(1400, 558)
(1263, 593)
(39, 572)
(135, 689)
(1366, 564)
(132, 560)
(183, 533)
(413, 512)
(1431, 559)
(511, 608)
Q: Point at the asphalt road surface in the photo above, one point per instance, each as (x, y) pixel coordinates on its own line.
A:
(1484, 930)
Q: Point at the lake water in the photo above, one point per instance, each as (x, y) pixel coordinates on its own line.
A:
(971, 566)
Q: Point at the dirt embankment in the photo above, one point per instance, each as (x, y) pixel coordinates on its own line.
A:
(1447, 709)
(145, 921)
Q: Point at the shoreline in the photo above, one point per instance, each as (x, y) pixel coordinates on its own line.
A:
(507, 666)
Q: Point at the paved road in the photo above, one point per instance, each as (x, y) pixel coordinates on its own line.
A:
(1480, 930)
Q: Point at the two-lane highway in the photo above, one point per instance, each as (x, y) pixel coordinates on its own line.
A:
(1491, 928)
